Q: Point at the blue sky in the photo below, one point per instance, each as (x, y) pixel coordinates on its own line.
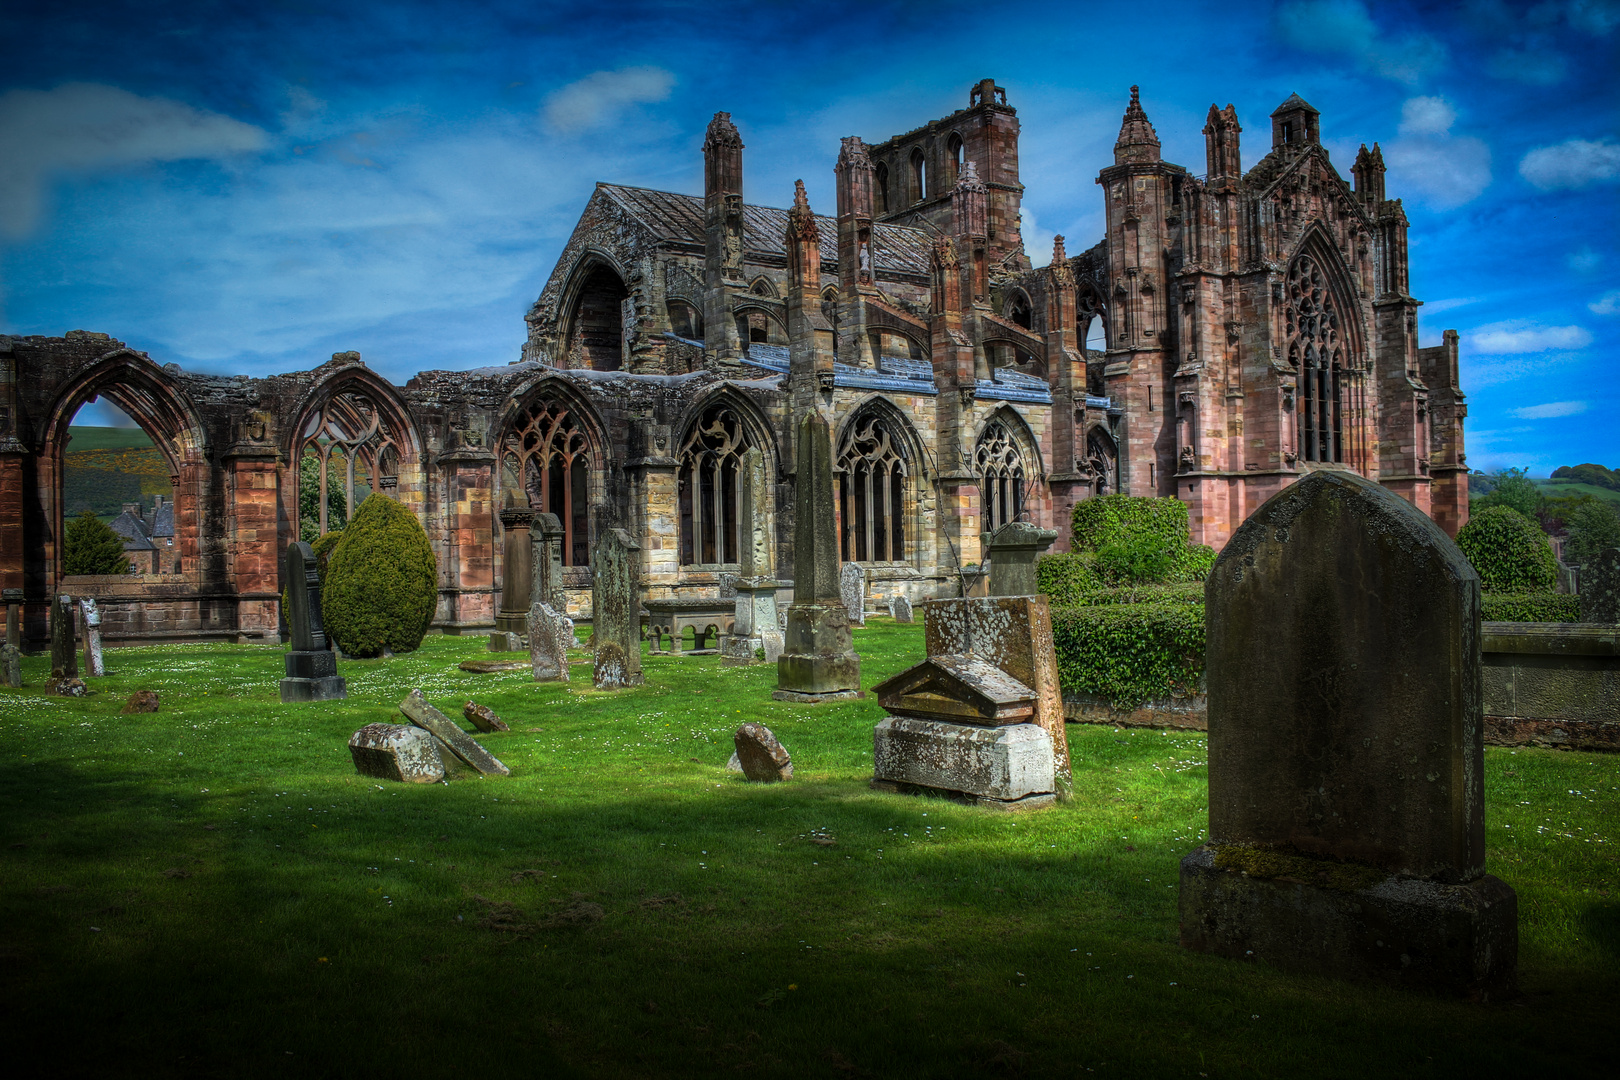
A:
(250, 187)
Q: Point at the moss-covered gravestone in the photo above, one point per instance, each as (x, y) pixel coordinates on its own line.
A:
(64, 660)
(1346, 788)
(616, 611)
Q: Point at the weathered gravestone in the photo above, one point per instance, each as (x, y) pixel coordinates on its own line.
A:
(483, 717)
(141, 701)
(900, 609)
(396, 752)
(491, 667)
(616, 611)
(1600, 588)
(754, 625)
(64, 659)
(311, 666)
(818, 661)
(545, 573)
(1012, 551)
(852, 590)
(13, 599)
(761, 757)
(548, 643)
(91, 614)
(1346, 768)
(517, 575)
(419, 712)
(981, 718)
(10, 666)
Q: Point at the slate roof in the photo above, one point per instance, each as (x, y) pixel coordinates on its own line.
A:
(163, 520)
(896, 249)
(133, 530)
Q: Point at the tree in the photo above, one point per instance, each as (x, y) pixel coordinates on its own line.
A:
(1593, 526)
(1508, 551)
(1514, 490)
(93, 548)
(309, 500)
(381, 582)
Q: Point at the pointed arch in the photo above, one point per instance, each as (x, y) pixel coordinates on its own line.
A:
(1007, 459)
(355, 421)
(879, 460)
(591, 331)
(1321, 339)
(717, 430)
(553, 455)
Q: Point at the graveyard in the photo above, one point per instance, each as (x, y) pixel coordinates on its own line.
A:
(217, 885)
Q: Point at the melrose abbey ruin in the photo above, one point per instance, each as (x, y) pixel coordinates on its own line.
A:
(1258, 326)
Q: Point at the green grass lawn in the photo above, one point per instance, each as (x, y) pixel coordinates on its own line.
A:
(211, 890)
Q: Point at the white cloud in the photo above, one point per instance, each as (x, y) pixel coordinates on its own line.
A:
(1435, 307)
(1607, 304)
(1550, 410)
(1444, 170)
(1427, 116)
(1585, 260)
(1345, 27)
(1478, 372)
(88, 126)
(598, 97)
(1522, 336)
(1573, 164)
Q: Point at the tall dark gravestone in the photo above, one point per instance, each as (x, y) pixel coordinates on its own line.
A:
(64, 659)
(1346, 787)
(616, 611)
(517, 568)
(311, 665)
(818, 662)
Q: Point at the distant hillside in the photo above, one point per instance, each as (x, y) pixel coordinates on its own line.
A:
(1597, 475)
(108, 467)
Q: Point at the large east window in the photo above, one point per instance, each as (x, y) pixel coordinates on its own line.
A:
(1316, 351)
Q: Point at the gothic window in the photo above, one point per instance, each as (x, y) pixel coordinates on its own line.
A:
(547, 457)
(597, 333)
(345, 449)
(1104, 462)
(685, 321)
(1316, 350)
(880, 189)
(956, 157)
(1000, 466)
(711, 458)
(919, 176)
(873, 468)
(1018, 310)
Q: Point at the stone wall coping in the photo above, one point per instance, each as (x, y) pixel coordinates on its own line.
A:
(1551, 639)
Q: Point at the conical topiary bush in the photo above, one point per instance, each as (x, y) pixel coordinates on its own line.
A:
(381, 581)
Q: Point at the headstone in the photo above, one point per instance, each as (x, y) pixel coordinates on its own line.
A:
(762, 757)
(1600, 588)
(483, 717)
(1346, 767)
(900, 609)
(1012, 551)
(396, 752)
(852, 588)
(419, 712)
(13, 599)
(64, 659)
(11, 666)
(311, 666)
(490, 667)
(517, 569)
(71, 686)
(93, 663)
(546, 537)
(755, 587)
(818, 661)
(616, 610)
(141, 701)
(771, 643)
(548, 647)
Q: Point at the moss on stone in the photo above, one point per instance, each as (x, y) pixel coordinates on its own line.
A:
(1263, 862)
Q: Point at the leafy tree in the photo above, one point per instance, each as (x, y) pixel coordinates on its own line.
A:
(1514, 490)
(309, 500)
(1593, 526)
(1509, 552)
(381, 581)
(93, 548)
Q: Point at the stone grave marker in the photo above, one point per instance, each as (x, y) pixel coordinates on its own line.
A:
(616, 611)
(419, 712)
(483, 717)
(1012, 551)
(396, 752)
(311, 666)
(900, 609)
(91, 614)
(517, 568)
(761, 757)
(818, 661)
(1346, 767)
(548, 643)
(491, 667)
(141, 701)
(505, 641)
(546, 538)
(1600, 588)
(11, 666)
(64, 658)
(852, 589)
(13, 599)
(754, 619)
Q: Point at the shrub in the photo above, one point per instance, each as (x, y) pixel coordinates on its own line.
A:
(1139, 540)
(1530, 607)
(1064, 576)
(1593, 526)
(1185, 592)
(91, 547)
(1509, 552)
(1141, 557)
(382, 581)
(1129, 653)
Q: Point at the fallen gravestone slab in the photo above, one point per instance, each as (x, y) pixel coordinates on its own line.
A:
(483, 717)
(71, 686)
(490, 667)
(763, 759)
(141, 701)
(423, 715)
(396, 752)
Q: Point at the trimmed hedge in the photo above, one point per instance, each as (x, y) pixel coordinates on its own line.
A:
(1129, 653)
(1530, 607)
(1509, 552)
(382, 581)
(1138, 539)
(1065, 576)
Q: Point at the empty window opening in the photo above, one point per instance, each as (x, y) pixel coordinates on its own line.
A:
(872, 492)
(711, 458)
(1001, 476)
(546, 457)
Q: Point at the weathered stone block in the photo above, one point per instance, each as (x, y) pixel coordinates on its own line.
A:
(396, 752)
(1012, 551)
(11, 666)
(1001, 764)
(311, 665)
(464, 746)
(483, 717)
(505, 641)
(141, 701)
(490, 667)
(763, 759)
(852, 587)
(818, 662)
(900, 609)
(616, 611)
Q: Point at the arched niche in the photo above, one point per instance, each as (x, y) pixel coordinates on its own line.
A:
(552, 457)
(599, 313)
(352, 436)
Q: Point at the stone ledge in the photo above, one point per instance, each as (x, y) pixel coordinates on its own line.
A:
(1550, 639)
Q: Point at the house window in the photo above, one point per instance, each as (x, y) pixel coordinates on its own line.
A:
(872, 492)
(547, 457)
(1316, 351)
(710, 459)
(1001, 477)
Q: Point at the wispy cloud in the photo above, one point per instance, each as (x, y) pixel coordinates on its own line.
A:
(1550, 410)
(1607, 304)
(1479, 372)
(599, 97)
(1584, 260)
(1577, 163)
(1443, 169)
(89, 126)
(1346, 27)
(1522, 336)
(1435, 307)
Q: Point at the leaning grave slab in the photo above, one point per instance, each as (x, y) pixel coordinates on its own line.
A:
(396, 752)
(1346, 765)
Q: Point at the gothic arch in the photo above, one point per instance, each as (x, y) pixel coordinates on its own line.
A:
(552, 453)
(1018, 309)
(758, 322)
(879, 461)
(763, 286)
(758, 425)
(1320, 335)
(1007, 460)
(355, 418)
(717, 430)
(592, 338)
(1317, 242)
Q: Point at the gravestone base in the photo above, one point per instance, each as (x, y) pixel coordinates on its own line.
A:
(312, 676)
(1454, 939)
(1028, 802)
(1010, 763)
(736, 650)
(819, 662)
(505, 641)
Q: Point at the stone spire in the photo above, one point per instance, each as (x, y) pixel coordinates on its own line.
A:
(803, 241)
(1369, 173)
(1138, 142)
(1059, 266)
(1221, 132)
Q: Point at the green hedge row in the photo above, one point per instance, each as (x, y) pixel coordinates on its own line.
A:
(1130, 653)
(1530, 607)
